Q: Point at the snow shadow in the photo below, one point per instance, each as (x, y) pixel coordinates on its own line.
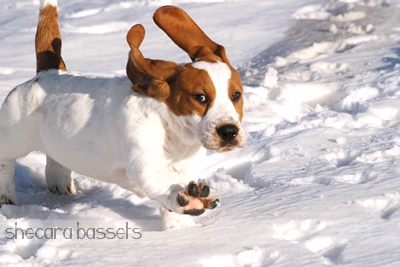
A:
(239, 162)
(303, 33)
(306, 32)
(391, 62)
(93, 198)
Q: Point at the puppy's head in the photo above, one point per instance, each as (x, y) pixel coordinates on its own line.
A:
(206, 94)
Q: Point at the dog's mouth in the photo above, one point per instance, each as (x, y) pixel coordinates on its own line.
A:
(226, 148)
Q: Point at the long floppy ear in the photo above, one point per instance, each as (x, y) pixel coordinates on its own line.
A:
(185, 33)
(148, 76)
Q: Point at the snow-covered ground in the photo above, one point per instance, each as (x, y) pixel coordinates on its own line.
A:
(317, 184)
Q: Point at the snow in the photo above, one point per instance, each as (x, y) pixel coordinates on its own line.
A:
(318, 182)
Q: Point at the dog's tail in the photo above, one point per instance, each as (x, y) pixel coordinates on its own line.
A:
(48, 38)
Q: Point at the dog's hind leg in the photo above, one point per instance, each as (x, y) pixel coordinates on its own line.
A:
(7, 186)
(48, 56)
(18, 137)
(58, 178)
(17, 126)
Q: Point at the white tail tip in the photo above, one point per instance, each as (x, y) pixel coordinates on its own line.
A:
(44, 3)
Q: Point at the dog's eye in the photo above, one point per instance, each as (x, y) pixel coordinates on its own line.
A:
(201, 98)
(236, 96)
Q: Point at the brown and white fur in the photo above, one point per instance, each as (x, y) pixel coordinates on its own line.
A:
(146, 132)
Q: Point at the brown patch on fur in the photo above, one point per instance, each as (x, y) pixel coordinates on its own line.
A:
(148, 76)
(235, 85)
(186, 34)
(48, 41)
(166, 81)
(189, 82)
(177, 85)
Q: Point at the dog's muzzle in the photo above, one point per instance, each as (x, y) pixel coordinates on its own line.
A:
(223, 136)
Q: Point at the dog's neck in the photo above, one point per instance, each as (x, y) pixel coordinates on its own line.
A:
(181, 144)
(182, 127)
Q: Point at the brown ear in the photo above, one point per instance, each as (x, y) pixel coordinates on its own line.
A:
(148, 76)
(187, 34)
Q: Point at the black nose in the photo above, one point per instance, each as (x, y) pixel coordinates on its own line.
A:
(228, 132)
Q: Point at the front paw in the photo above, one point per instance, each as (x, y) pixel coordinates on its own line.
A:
(196, 199)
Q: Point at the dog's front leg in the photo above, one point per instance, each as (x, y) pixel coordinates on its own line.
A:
(194, 200)
(149, 169)
(167, 187)
(158, 162)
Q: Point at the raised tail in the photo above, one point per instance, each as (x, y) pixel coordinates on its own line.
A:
(48, 38)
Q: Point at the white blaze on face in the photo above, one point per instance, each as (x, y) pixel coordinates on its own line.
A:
(222, 111)
(220, 75)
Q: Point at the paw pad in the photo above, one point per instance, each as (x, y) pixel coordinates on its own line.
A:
(182, 200)
(193, 190)
(196, 199)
